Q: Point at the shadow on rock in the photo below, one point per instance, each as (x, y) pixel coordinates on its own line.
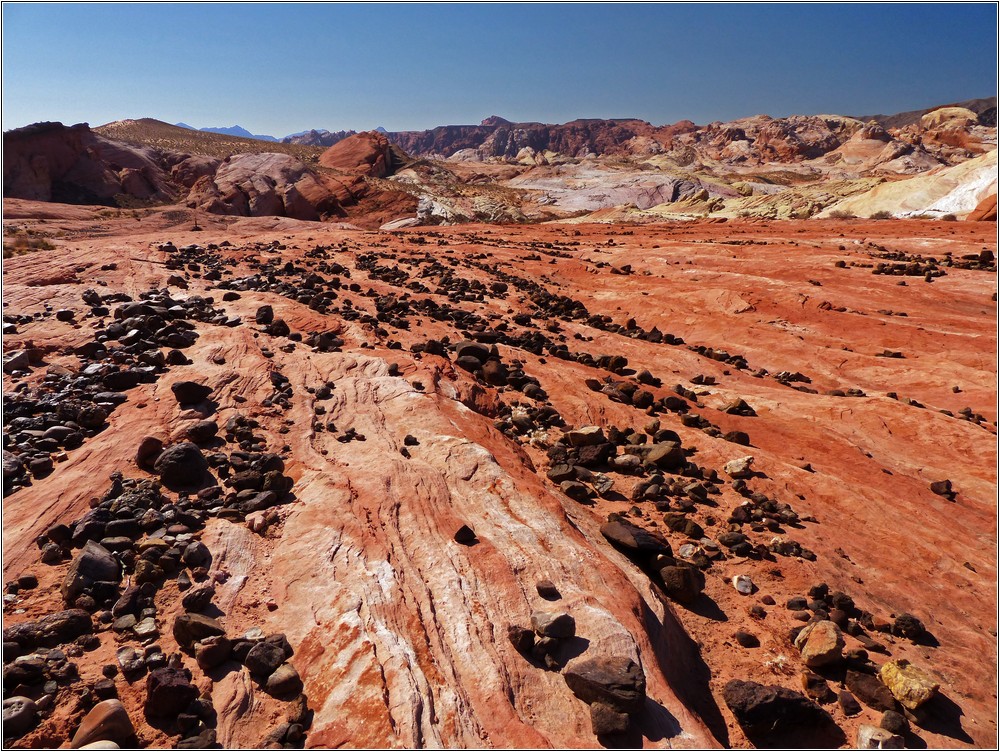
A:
(656, 723)
(679, 660)
(942, 715)
(707, 608)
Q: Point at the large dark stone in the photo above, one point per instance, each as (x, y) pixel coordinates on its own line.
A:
(49, 631)
(93, 563)
(169, 691)
(189, 628)
(683, 583)
(770, 709)
(264, 659)
(181, 465)
(615, 681)
(870, 691)
(632, 539)
(190, 392)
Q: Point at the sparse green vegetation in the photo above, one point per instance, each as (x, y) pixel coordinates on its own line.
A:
(149, 132)
(20, 242)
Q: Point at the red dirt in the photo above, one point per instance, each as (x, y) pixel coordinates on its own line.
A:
(399, 633)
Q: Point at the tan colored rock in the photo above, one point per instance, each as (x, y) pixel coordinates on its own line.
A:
(821, 643)
(873, 737)
(739, 468)
(107, 721)
(910, 685)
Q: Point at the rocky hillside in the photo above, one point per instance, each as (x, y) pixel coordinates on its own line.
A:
(134, 164)
(502, 172)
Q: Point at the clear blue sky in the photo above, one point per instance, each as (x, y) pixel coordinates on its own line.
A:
(280, 68)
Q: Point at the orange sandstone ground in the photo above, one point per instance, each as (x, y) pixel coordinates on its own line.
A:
(400, 633)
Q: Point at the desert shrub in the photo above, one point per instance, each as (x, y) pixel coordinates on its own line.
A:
(881, 215)
(20, 244)
(841, 214)
(949, 218)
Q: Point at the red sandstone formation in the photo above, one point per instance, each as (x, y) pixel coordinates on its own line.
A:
(986, 210)
(433, 398)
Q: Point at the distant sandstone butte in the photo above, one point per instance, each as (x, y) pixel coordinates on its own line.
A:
(52, 162)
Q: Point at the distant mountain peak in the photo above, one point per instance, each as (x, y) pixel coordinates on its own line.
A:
(495, 120)
(233, 130)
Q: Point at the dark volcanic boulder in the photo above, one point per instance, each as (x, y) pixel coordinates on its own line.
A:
(683, 583)
(181, 465)
(615, 681)
(190, 392)
(264, 659)
(870, 690)
(51, 630)
(93, 563)
(169, 691)
(633, 539)
(770, 709)
(189, 628)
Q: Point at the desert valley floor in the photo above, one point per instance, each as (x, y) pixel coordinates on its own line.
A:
(404, 385)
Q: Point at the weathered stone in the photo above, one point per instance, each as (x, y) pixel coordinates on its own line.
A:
(816, 688)
(190, 392)
(49, 631)
(521, 638)
(145, 629)
(634, 539)
(212, 652)
(202, 431)
(547, 590)
(553, 625)
(264, 659)
(872, 737)
(190, 628)
(667, 455)
(869, 690)
(910, 685)
(196, 554)
(147, 452)
(20, 714)
(682, 583)
(284, 681)
(93, 563)
(198, 599)
(605, 720)
(739, 468)
(465, 535)
(894, 722)
(743, 584)
(181, 465)
(616, 681)
(586, 436)
(821, 644)
(169, 691)
(767, 709)
(908, 626)
(848, 704)
(107, 721)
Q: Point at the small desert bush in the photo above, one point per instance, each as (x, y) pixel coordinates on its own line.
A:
(881, 215)
(841, 214)
(949, 218)
(20, 244)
